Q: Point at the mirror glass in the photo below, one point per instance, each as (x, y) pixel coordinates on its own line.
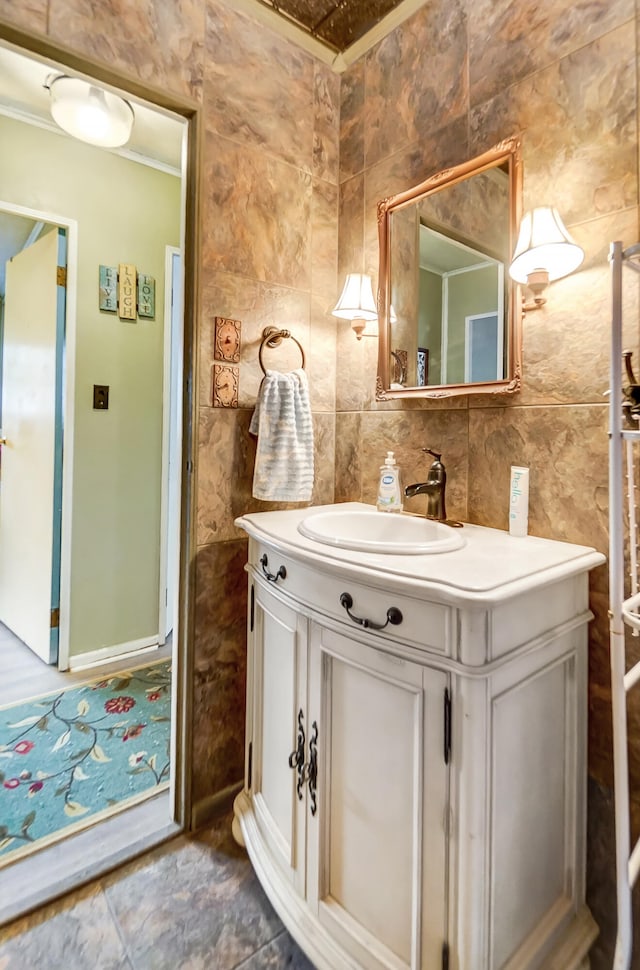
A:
(449, 321)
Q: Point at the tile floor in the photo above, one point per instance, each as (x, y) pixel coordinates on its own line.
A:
(191, 904)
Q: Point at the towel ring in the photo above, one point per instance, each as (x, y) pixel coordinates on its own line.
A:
(272, 337)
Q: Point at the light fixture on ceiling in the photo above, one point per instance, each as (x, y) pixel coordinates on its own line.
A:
(356, 303)
(544, 252)
(89, 112)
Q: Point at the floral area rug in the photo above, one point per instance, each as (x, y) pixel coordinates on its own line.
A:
(74, 756)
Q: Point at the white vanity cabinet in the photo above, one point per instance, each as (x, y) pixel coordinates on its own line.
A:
(343, 738)
(414, 795)
(381, 798)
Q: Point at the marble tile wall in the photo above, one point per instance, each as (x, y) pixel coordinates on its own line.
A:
(269, 230)
(269, 257)
(449, 83)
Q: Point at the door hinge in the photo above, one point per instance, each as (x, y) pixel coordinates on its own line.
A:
(447, 726)
(61, 275)
(253, 608)
(55, 618)
(250, 764)
(445, 956)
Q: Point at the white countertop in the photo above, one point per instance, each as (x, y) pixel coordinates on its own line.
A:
(491, 566)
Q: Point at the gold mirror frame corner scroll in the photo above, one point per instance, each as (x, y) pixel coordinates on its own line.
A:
(508, 149)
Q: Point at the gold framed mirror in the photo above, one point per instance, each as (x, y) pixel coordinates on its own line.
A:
(449, 316)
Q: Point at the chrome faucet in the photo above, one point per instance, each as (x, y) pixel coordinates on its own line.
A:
(433, 488)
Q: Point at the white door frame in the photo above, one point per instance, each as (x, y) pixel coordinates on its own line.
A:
(68, 394)
(171, 402)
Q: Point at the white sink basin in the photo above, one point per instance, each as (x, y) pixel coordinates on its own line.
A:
(381, 532)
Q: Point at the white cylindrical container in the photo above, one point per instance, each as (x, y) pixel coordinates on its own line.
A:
(519, 501)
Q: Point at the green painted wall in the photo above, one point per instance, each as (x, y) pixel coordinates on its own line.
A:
(126, 213)
(469, 293)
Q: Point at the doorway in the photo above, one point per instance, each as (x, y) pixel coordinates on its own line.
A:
(84, 855)
(41, 708)
(31, 407)
(86, 495)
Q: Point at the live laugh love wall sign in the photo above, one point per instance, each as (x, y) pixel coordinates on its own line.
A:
(126, 292)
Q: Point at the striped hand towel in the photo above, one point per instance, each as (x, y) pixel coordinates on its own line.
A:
(282, 421)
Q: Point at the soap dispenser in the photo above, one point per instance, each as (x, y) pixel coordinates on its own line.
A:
(389, 490)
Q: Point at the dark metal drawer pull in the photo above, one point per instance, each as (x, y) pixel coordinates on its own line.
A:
(272, 577)
(394, 616)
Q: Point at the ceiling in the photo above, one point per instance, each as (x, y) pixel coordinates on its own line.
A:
(331, 26)
(335, 24)
(156, 136)
(443, 255)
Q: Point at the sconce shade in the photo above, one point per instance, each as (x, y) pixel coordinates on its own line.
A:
(356, 302)
(356, 299)
(544, 245)
(89, 113)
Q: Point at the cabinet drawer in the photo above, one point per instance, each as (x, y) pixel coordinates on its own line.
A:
(424, 624)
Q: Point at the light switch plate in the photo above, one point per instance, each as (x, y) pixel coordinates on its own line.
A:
(225, 385)
(100, 397)
(227, 340)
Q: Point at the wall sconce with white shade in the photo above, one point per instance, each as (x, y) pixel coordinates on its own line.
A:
(90, 113)
(356, 303)
(544, 252)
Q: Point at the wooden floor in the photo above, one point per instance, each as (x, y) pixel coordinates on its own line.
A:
(25, 675)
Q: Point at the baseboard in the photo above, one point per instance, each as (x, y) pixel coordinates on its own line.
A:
(93, 658)
(210, 807)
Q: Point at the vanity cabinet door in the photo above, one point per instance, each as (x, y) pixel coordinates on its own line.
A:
(277, 677)
(377, 846)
